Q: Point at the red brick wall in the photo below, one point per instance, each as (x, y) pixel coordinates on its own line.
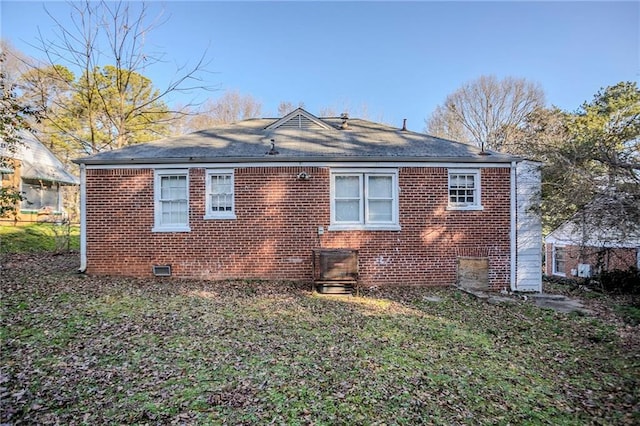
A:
(276, 228)
(598, 258)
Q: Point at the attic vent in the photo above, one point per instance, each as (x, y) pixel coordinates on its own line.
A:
(162, 270)
(299, 119)
(300, 122)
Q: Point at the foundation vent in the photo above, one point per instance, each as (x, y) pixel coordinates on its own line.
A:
(162, 270)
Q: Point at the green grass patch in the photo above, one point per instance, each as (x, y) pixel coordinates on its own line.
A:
(630, 313)
(122, 351)
(38, 237)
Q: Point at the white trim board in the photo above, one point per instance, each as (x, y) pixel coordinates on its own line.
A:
(333, 164)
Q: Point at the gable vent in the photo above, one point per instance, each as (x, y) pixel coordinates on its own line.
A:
(299, 122)
(299, 119)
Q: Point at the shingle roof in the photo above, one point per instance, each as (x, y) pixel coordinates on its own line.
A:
(307, 140)
(40, 163)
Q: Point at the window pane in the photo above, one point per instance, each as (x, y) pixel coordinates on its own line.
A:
(221, 196)
(173, 200)
(462, 181)
(39, 195)
(164, 187)
(462, 189)
(470, 181)
(221, 202)
(560, 259)
(173, 187)
(221, 184)
(380, 186)
(347, 187)
(380, 211)
(347, 210)
(181, 215)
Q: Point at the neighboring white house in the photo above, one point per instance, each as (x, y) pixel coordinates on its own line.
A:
(593, 241)
(38, 174)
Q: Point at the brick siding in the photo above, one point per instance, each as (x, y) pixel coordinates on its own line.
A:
(603, 259)
(277, 227)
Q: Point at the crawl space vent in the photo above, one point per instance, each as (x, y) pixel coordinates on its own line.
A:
(162, 270)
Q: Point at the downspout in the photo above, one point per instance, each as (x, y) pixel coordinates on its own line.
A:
(83, 218)
(60, 206)
(514, 224)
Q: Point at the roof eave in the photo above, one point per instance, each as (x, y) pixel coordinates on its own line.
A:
(62, 181)
(298, 159)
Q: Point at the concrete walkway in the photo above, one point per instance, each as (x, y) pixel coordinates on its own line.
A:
(556, 302)
(560, 303)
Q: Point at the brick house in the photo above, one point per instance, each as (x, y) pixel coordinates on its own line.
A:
(40, 177)
(593, 241)
(256, 198)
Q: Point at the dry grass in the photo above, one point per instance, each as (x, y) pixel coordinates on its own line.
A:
(92, 350)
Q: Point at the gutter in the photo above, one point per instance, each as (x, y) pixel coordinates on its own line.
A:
(83, 218)
(297, 159)
(514, 224)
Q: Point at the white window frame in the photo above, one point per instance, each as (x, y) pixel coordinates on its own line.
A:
(209, 213)
(363, 223)
(554, 268)
(477, 204)
(158, 225)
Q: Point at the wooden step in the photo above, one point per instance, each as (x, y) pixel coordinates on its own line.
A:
(333, 287)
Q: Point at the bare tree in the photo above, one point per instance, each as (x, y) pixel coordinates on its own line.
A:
(486, 111)
(445, 125)
(230, 107)
(105, 48)
(14, 62)
(343, 107)
(285, 107)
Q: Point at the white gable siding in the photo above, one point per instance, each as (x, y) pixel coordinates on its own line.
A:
(528, 228)
(572, 233)
(38, 163)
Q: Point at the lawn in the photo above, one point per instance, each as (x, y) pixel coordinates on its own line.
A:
(90, 350)
(41, 236)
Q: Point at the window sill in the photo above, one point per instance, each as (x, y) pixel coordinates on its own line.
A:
(559, 274)
(465, 208)
(358, 227)
(229, 216)
(171, 229)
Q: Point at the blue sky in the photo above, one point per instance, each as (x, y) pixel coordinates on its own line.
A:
(395, 59)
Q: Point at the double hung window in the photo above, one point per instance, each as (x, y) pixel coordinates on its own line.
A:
(464, 190)
(364, 200)
(40, 194)
(171, 201)
(220, 194)
(559, 260)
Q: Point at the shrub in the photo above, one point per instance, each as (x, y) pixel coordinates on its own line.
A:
(619, 281)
